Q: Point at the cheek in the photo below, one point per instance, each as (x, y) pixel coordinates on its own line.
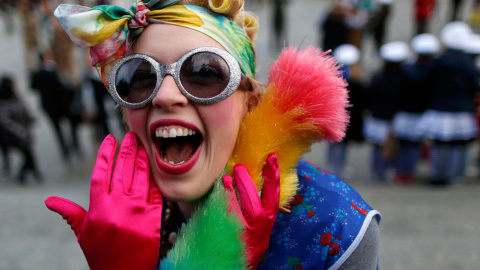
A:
(228, 111)
(225, 117)
(136, 120)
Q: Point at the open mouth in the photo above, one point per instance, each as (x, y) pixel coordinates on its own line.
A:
(177, 148)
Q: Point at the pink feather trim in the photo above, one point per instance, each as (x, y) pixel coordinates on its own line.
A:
(311, 79)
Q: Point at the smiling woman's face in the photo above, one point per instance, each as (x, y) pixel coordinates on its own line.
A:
(184, 167)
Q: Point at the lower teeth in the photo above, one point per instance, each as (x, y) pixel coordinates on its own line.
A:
(173, 163)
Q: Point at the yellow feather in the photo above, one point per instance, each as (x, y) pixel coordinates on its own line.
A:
(267, 129)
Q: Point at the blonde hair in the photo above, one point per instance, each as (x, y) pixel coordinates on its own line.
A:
(232, 9)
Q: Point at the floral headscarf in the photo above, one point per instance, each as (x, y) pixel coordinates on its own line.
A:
(108, 30)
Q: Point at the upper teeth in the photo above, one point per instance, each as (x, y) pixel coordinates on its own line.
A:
(174, 132)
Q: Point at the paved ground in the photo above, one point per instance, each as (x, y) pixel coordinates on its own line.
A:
(422, 227)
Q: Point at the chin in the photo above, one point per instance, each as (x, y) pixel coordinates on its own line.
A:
(186, 187)
(180, 193)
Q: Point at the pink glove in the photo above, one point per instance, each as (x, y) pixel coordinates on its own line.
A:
(258, 216)
(121, 229)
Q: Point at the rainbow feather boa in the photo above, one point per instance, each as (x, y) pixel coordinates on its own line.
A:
(305, 102)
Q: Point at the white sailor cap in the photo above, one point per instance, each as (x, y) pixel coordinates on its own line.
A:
(425, 44)
(396, 51)
(385, 2)
(455, 35)
(347, 54)
(473, 44)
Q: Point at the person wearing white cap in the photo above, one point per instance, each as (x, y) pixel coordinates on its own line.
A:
(449, 121)
(455, 35)
(348, 56)
(412, 104)
(385, 88)
(425, 45)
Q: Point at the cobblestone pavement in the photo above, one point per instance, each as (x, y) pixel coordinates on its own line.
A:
(421, 228)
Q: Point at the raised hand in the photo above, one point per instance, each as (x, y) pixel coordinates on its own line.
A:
(121, 229)
(258, 214)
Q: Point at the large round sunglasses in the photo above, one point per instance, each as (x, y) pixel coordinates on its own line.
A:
(204, 75)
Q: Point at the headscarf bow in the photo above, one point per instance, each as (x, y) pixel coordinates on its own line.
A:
(107, 30)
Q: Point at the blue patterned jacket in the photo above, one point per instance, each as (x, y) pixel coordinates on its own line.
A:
(328, 220)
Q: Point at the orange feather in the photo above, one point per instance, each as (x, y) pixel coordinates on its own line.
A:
(305, 102)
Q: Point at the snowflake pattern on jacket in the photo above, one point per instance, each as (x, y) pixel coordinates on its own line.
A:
(328, 219)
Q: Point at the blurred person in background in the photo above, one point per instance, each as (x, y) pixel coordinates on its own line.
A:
(94, 94)
(475, 14)
(423, 11)
(449, 121)
(16, 122)
(69, 74)
(358, 16)
(278, 22)
(383, 97)
(348, 56)
(412, 104)
(332, 26)
(27, 11)
(378, 22)
(5, 149)
(473, 50)
(455, 9)
(6, 10)
(46, 81)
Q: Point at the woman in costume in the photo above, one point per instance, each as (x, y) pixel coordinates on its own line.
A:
(204, 132)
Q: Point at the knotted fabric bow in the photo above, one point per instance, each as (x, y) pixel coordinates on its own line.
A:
(108, 30)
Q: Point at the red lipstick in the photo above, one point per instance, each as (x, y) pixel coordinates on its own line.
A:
(165, 166)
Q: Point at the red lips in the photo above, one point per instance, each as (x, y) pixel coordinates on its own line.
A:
(165, 166)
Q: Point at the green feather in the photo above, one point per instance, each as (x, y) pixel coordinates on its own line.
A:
(212, 238)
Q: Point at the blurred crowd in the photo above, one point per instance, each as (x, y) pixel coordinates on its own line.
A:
(69, 89)
(421, 103)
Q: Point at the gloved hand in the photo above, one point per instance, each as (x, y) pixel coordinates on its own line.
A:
(258, 214)
(121, 229)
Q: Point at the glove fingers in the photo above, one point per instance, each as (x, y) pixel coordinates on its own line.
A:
(123, 173)
(271, 185)
(102, 172)
(234, 207)
(141, 178)
(73, 213)
(250, 202)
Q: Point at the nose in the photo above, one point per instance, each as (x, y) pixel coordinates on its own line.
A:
(169, 95)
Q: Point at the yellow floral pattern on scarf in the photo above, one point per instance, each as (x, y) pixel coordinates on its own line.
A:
(107, 30)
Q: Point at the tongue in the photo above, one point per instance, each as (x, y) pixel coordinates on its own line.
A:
(179, 150)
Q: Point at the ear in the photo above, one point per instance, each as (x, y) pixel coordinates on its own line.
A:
(253, 92)
(253, 98)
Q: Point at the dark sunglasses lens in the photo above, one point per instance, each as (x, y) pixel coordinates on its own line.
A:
(204, 75)
(135, 80)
